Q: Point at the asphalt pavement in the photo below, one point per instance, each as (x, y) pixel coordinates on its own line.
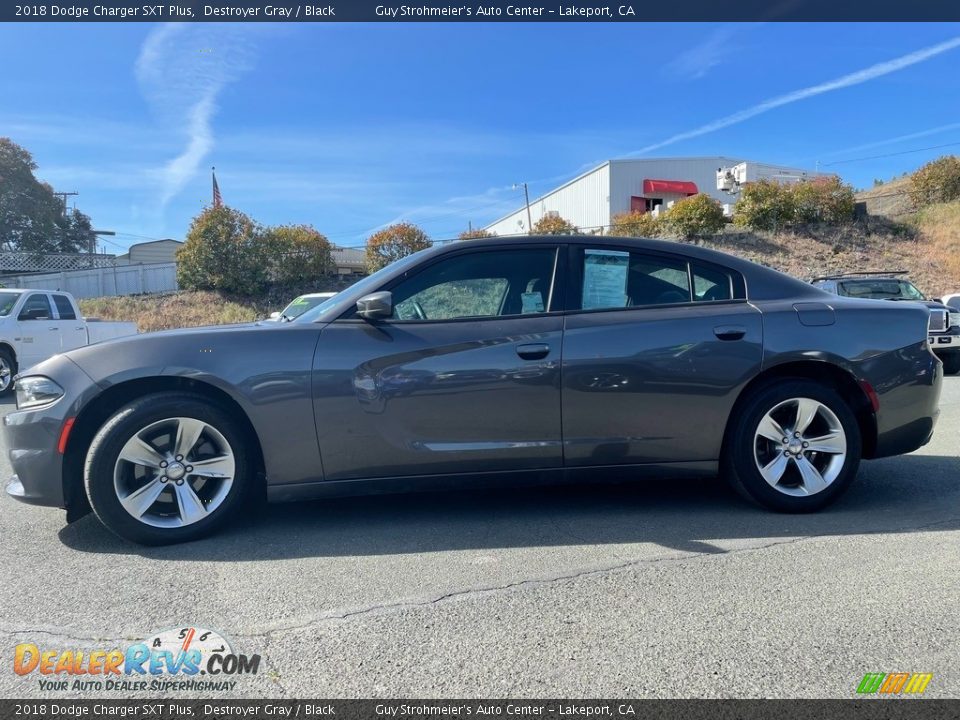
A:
(656, 589)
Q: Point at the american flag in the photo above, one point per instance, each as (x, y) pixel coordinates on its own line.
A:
(217, 199)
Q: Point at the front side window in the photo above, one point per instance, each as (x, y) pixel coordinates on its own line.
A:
(478, 285)
(37, 307)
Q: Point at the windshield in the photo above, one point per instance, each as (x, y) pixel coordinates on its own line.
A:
(7, 301)
(359, 289)
(301, 304)
(881, 289)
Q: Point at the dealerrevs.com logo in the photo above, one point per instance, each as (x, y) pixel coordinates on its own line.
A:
(181, 659)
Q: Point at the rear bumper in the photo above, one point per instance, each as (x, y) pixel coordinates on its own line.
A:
(907, 383)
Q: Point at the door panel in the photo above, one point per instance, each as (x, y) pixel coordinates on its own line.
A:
(655, 384)
(39, 332)
(73, 333)
(395, 399)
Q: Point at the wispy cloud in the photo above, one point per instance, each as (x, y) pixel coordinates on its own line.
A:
(182, 69)
(695, 62)
(855, 78)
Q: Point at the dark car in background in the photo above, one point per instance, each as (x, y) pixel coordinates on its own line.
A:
(944, 326)
(521, 360)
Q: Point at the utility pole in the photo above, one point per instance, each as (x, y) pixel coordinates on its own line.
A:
(63, 198)
(526, 196)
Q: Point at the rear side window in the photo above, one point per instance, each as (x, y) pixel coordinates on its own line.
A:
(710, 284)
(612, 278)
(64, 307)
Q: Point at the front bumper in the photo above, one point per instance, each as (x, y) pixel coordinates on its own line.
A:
(31, 437)
(944, 342)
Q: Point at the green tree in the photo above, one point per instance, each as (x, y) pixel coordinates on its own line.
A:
(31, 216)
(823, 199)
(475, 234)
(554, 225)
(936, 182)
(696, 215)
(636, 224)
(224, 250)
(297, 254)
(393, 243)
(764, 205)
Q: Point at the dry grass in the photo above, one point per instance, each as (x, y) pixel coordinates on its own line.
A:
(939, 227)
(173, 310)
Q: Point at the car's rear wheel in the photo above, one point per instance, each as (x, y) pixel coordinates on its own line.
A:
(167, 468)
(794, 446)
(951, 362)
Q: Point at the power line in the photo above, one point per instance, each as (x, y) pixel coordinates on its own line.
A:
(886, 155)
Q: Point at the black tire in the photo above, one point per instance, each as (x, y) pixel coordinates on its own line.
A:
(740, 461)
(11, 362)
(109, 441)
(951, 362)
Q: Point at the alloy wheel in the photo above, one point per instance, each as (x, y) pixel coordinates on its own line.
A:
(174, 472)
(800, 447)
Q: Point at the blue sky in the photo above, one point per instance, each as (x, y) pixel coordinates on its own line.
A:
(351, 127)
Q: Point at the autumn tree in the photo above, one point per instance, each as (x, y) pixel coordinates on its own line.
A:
(393, 243)
(475, 234)
(936, 182)
(31, 216)
(224, 250)
(636, 224)
(297, 254)
(554, 225)
(696, 215)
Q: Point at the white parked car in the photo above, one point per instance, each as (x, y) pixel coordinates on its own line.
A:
(300, 305)
(38, 324)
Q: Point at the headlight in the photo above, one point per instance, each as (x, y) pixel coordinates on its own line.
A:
(34, 391)
(939, 321)
(955, 319)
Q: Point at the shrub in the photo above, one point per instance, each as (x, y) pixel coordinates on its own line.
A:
(696, 215)
(824, 199)
(298, 253)
(636, 224)
(393, 243)
(936, 182)
(554, 225)
(224, 250)
(764, 205)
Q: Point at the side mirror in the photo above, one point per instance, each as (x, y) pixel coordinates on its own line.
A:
(34, 314)
(937, 300)
(274, 315)
(375, 306)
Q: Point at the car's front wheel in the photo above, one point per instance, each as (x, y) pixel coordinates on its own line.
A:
(167, 468)
(794, 446)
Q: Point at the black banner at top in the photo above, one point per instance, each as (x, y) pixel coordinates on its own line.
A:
(481, 11)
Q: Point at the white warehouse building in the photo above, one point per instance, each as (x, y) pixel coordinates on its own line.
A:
(591, 200)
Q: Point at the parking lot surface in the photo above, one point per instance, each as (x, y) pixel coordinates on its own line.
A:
(655, 589)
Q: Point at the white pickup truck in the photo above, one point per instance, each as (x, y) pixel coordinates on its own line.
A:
(38, 324)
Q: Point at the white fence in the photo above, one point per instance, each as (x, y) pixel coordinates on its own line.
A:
(102, 282)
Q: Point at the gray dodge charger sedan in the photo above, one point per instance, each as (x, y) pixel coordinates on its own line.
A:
(511, 361)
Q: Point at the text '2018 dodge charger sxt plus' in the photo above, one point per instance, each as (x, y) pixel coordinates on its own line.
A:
(533, 359)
